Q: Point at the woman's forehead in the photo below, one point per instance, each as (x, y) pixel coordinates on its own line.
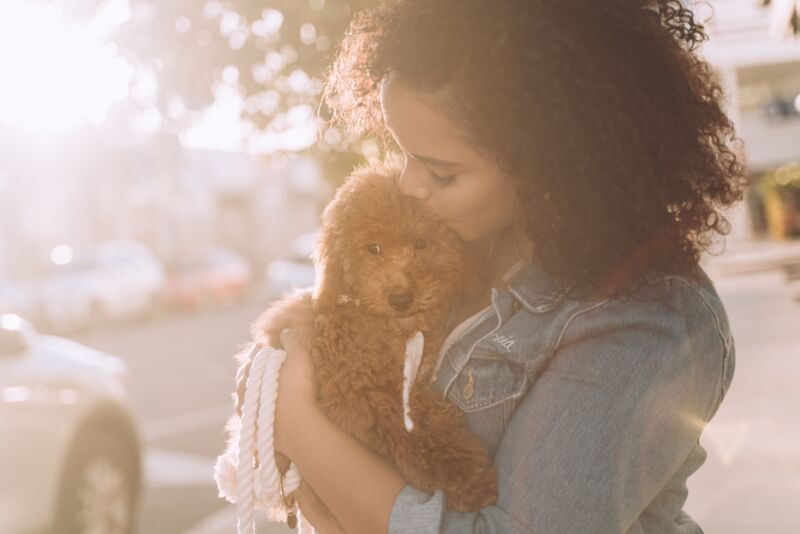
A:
(407, 111)
(418, 127)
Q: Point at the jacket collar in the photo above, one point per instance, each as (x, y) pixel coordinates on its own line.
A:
(535, 289)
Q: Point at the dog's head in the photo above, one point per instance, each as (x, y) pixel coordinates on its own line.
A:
(386, 250)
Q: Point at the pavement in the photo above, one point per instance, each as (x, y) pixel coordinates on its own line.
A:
(750, 482)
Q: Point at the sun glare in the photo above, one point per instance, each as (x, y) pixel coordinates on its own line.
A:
(56, 76)
(62, 254)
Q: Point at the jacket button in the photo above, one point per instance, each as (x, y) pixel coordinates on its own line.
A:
(469, 388)
(468, 391)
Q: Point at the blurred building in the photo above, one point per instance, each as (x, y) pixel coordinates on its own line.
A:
(257, 208)
(43, 187)
(757, 57)
(181, 203)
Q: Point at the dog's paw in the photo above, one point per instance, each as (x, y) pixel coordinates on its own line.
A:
(475, 491)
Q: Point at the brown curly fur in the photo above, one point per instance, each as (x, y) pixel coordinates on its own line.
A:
(603, 109)
(357, 339)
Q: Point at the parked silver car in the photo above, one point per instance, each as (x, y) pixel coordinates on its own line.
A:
(70, 453)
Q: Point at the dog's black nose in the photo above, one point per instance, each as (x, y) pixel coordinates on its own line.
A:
(401, 301)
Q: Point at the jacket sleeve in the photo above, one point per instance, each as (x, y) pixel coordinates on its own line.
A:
(611, 418)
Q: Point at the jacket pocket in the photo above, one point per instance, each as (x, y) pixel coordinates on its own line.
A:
(486, 381)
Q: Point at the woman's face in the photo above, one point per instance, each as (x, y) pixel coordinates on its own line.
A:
(468, 192)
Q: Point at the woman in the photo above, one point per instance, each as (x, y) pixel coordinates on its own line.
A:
(580, 148)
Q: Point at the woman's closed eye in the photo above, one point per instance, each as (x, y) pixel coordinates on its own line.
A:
(442, 180)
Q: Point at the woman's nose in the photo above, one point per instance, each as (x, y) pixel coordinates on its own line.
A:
(412, 183)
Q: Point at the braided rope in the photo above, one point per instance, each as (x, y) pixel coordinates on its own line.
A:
(259, 484)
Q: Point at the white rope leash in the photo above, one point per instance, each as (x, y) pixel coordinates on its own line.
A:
(253, 485)
(259, 485)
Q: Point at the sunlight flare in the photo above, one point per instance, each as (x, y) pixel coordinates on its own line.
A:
(56, 75)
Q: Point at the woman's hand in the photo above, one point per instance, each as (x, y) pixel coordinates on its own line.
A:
(357, 485)
(297, 372)
(296, 413)
(295, 390)
(295, 397)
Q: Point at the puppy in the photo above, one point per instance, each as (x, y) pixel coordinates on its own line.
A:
(386, 270)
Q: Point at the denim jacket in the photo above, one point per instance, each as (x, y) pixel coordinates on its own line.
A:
(592, 408)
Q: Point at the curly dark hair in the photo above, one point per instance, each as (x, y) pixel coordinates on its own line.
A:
(603, 110)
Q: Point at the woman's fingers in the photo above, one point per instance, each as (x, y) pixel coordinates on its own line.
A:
(297, 371)
(289, 343)
(288, 339)
(295, 391)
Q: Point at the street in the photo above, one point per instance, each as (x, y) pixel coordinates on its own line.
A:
(181, 377)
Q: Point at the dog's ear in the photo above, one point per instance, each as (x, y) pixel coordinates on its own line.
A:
(329, 283)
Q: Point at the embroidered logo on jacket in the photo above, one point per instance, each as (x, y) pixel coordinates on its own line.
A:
(504, 341)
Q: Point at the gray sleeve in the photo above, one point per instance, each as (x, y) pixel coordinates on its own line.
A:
(599, 434)
(420, 513)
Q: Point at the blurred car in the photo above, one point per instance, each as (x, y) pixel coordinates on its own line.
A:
(114, 280)
(126, 279)
(61, 298)
(13, 297)
(220, 277)
(70, 453)
(293, 273)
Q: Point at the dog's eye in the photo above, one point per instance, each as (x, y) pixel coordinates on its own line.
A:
(374, 248)
(420, 244)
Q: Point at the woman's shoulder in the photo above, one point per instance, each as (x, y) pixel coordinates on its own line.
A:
(669, 310)
(670, 333)
(683, 305)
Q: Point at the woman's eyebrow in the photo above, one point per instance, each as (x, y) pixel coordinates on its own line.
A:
(434, 161)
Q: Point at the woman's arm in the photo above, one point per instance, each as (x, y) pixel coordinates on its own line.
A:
(357, 485)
